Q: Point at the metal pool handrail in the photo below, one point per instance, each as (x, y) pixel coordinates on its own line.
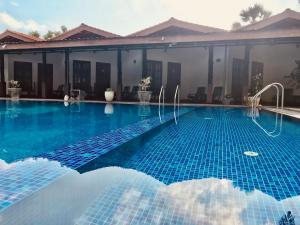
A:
(176, 97)
(276, 85)
(275, 132)
(161, 94)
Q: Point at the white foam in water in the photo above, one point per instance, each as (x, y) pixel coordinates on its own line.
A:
(250, 153)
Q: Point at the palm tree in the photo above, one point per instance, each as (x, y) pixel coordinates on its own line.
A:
(254, 12)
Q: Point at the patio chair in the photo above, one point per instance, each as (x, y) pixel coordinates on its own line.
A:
(217, 96)
(134, 93)
(126, 93)
(59, 92)
(199, 96)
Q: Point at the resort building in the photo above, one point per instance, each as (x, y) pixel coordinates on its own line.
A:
(211, 65)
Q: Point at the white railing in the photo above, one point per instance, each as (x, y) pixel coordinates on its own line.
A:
(277, 128)
(176, 102)
(161, 95)
(258, 94)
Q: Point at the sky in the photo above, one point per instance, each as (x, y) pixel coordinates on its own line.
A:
(125, 16)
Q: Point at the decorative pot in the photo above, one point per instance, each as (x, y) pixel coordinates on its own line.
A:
(144, 96)
(249, 101)
(14, 93)
(109, 96)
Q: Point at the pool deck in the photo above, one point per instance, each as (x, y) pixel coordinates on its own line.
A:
(288, 111)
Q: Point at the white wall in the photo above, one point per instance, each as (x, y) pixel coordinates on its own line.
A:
(93, 57)
(193, 66)
(219, 70)
(233, 52)
(279, 61)
(131, 67)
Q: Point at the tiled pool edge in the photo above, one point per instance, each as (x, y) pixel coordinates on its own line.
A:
(77, 155)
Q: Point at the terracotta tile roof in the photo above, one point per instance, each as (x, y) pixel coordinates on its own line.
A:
(19, 35)
(172, 22)
(286, 14)
(83, 27)
(121, 41)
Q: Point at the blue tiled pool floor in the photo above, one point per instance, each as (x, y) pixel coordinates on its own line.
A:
(19, 180)
(138, 198)
(210, 143)
(193, 172)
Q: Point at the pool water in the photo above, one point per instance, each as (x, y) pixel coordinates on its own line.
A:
(195, 171)
(29, 128)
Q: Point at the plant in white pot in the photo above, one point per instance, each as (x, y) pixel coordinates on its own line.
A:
(109, 95)
(255, 88)
(14, 89)
(143, 94)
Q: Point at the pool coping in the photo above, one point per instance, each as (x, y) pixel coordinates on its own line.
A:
(293, 114)
(122, 102)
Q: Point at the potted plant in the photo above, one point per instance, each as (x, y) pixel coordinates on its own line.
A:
(255, 88)
(14, 89)
(144, 94)
(109, 95)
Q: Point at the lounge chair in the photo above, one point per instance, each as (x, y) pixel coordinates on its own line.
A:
(126, 93)
(199, 96)
(59, 92)
(134, 93)
(217, 96)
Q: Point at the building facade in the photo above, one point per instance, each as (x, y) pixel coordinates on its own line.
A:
(211, 65)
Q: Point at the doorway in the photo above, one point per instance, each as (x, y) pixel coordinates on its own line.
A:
(173, 79)
(82, 75)
(45, 90)
(102, 79)
(23, 74)
(154, 70)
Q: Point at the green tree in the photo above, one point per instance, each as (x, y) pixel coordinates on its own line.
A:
(34, 34)
(63, 28)
(51, 34)
(254, 13)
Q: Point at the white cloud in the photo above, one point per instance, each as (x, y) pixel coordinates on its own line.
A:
(13, 23)
(15, 4)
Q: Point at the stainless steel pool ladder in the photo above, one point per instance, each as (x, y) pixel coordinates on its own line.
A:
(161, 95)
(176, 102)
(258, 94)
(277, 128)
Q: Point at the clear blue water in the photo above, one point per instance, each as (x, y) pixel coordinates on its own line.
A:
(29, 128)
(192, 172)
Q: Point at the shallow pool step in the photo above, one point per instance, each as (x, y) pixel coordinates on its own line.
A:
(20, 179)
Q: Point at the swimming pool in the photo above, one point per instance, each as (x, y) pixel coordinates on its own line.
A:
(198, 171)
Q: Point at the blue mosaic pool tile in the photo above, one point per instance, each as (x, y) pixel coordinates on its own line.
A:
(137, 198)
(76, 155)
(199, 148)
(23, 178)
